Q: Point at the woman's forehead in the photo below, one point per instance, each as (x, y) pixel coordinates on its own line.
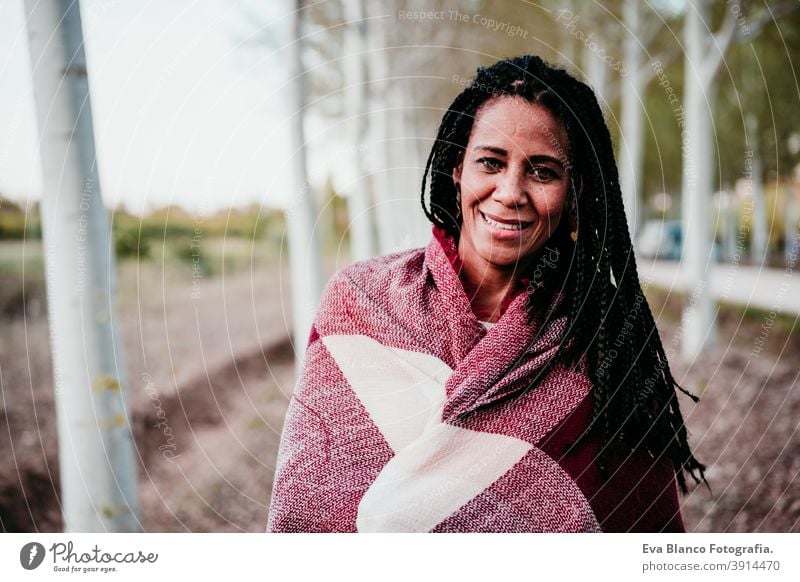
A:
(514, 121)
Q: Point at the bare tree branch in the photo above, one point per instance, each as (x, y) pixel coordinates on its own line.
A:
(765, 17)
(722, 39)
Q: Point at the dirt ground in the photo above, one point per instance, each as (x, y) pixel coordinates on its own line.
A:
(218, 363)
(746, 429)
(220, 366)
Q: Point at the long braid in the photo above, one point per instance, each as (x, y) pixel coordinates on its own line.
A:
(655, 413)
(635, 403)
(664, 419)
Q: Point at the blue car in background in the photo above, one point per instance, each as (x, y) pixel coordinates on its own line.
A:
(660, 239)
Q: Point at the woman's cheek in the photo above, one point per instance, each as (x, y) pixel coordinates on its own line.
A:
(556, 199)
(548, 202)
(479, 182)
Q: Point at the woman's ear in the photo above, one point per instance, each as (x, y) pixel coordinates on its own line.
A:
(572, 214)
(457, 172)
(457, 175)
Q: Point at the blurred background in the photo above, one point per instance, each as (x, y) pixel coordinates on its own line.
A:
(179, 179)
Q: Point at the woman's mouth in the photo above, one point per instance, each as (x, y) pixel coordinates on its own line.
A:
(504, 224)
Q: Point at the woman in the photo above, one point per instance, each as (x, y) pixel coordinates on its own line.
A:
(508, 377)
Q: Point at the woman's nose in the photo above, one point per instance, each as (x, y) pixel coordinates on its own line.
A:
(510, 190)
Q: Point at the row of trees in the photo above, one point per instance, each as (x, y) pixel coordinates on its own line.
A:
(252, 222)
(694, 94)
(636, 65)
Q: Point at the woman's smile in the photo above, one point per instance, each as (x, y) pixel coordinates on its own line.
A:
(504, 225)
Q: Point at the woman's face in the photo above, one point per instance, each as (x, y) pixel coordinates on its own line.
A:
(514, 181)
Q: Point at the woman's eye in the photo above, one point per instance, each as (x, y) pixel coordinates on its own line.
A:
(490, 164)
(543, 173)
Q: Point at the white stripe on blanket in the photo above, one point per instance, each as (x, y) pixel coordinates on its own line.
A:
(437, 467)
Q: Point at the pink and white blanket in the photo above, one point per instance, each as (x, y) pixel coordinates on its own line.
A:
(409, 416)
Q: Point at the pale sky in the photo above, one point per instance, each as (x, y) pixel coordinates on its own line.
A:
(186, 103)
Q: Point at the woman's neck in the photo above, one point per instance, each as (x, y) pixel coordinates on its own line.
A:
(486, 288)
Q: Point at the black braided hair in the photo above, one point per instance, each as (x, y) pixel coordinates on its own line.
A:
(608, 317)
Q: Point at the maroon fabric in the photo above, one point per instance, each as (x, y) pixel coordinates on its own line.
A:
(339, 461)
(639, 496)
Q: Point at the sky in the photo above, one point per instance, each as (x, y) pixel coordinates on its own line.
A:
(186, 100)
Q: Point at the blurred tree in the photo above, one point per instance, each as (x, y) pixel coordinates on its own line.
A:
(360, 205)
(705, 56)
(97, 470)
(289, 44)
(646, 33)
(304, 250)
(757, 113)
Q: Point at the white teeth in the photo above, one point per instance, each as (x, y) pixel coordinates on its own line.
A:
(503, 226)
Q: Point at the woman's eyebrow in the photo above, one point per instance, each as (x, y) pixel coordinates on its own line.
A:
(531, 159)
(546, 158)
(493, 149)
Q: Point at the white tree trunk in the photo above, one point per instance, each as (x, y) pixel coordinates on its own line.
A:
(383, 121)
(755, 177)
(97, 470)
(387, 225)
(730, 223)
(358, 199)
(631, 155)
(596, 71)
(698, 324)
(416, 228)
(791, 249)
(402, 224)
(304, 248)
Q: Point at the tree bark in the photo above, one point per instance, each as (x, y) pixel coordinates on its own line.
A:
(631, 156)
(358, 200)
(755, 177)
(698, 322)
(791, 241)
(304, 248)
(95, 443)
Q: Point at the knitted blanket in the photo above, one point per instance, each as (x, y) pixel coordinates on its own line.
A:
(410, 416)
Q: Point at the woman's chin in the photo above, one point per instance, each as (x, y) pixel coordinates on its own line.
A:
(505, 260)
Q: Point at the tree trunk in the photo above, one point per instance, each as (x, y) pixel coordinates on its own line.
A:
(755, 177)
(304, 248)
(403, 224)
(358, 199)
(730, 224)
(95, 444)
(631, 155)
(791, 241)
(380, 129)
(417, 229)
(398, 170)
(698, 323)
(596, 71)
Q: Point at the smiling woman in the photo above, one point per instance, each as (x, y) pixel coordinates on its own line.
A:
(509, 376)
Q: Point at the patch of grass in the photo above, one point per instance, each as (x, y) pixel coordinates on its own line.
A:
(665, 305)
(22, 282)
(256, 423)
(18, 256)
